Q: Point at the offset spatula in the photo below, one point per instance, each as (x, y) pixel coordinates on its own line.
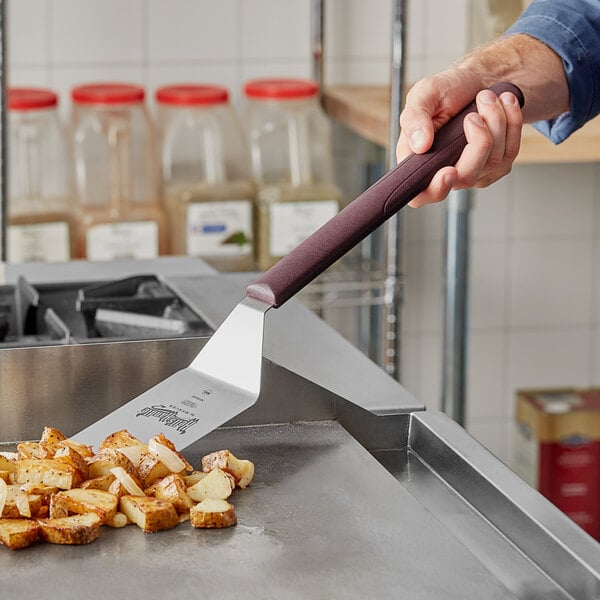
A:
(224, 378)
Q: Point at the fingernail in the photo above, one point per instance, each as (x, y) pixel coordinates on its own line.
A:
(508, 99)
(417, 140)
(449, 180)
(476, 119)
(488, 97)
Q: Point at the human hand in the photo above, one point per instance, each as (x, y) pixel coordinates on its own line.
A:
(493, 133)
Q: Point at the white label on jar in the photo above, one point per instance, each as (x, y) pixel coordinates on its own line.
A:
(219, 228)
(290, 223)
(136, 240)
(39, 242)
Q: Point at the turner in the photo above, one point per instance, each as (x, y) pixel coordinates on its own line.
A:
(224, 378)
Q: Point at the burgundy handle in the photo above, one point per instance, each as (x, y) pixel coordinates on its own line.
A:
(367, 212)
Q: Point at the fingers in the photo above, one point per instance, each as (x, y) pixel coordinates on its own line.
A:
(441, 185)
(493, 139)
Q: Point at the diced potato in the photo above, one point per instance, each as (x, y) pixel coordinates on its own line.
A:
(130, 483)
(5, 476)
(3, 495)
(50, 440)
(108, 459)
(149, 514)
(217, 484)
(242, 470)
(99, 483)
(70, 456)
(172, 489)
(31, 450)
(7, 463)
(75, 529)
(58, 507)
(82, 449)
(47, 471)
(19, 503)
(18, 533)
(164, 449)
(117, 488)
(80, 501)
(151, 468)
(194, 477)
(120, 439)
(213, 514)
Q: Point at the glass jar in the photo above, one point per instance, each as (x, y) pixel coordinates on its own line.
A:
(292, 163)
(40, 223)
(208, 192)
(116, 174)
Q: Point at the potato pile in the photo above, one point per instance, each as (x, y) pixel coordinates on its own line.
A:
(61, 492)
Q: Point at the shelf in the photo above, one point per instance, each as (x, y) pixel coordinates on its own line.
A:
(366, 111)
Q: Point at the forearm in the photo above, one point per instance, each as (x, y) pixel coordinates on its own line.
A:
(529, 64)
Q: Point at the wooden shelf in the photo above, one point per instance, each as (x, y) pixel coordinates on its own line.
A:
(366, 111)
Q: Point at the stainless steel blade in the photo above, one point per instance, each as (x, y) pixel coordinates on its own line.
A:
(221, 382)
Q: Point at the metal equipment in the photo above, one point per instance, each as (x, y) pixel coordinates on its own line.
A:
(358, 492)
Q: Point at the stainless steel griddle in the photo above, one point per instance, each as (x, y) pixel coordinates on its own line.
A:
(358, 493)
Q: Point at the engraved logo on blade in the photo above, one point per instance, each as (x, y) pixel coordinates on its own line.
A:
(168, 417)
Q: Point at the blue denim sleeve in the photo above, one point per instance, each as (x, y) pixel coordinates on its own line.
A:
(572, 29)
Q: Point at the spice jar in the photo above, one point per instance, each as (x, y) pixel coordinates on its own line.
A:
(208, 190)
(117, 176)
(40, 222)
(290, 146)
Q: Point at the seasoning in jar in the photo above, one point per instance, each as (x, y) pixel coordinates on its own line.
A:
(290, 147)
(117, 178)
(208, 190)
(41, 227)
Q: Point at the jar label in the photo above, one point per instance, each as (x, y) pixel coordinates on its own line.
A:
(39, 242)
(135, 240)
(219, 228)
(290, 223)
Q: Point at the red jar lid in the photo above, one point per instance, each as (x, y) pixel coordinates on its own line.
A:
(281, 89)
(108, 93)
(30, 98)
(191, 95)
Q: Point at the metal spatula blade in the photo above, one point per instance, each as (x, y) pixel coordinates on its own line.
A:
(222, 381)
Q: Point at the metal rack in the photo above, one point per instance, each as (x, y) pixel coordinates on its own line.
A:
(373, 280)
(385, 245)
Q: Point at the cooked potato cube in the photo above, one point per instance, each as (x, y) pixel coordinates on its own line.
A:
(50, 440)
(85, 451)
(7, 463)
(212, 514)
(18, 533)
(172, 489)
(18, 503)
(107, 459)
(120, 439)
(76, 529)
(69, 456)
(151, 468)
(80, 501)
(217, 484)
(31, 450)
(129, 482)
(242, 470)
(164, 449)
(99, 483)
(58, 507)
(149, 514)
(48, 471)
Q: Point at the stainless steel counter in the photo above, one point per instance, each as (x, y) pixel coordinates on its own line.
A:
(364, 496)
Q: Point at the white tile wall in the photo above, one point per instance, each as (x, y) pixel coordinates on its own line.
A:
(535, 287)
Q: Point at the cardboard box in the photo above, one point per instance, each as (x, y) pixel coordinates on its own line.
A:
(557, 450)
